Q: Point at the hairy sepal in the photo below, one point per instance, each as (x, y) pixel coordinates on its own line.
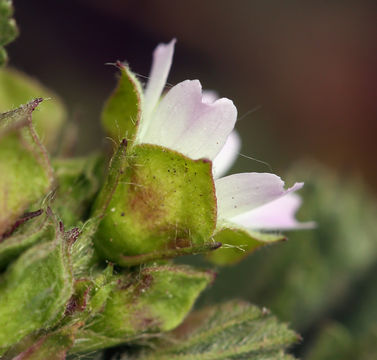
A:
(238, 243)
(122, 111)
(163, 206)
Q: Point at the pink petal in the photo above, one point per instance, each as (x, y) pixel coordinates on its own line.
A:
(239, 193)
(227, 156)
(162, 60)
(182, 122)
(276, 215)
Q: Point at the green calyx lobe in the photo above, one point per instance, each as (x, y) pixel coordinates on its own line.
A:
(163, 206)
(239, 243)
(122, 111)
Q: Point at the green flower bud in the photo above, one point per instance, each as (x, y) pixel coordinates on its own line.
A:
(154, 300)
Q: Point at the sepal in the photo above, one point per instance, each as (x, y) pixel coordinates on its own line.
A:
(122, 112)
(238, 242)
(163, 205)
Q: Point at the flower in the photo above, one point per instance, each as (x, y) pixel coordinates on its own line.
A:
(167, 198)
(199, 125)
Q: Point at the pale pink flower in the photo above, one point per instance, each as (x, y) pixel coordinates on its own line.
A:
(199, 125)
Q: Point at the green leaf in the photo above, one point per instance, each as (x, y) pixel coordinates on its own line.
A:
(163, 206)
(25, 162)
(153, 300)
(230, 331)
(17, 88)
(34, 290)
(122, 111)
(238, 243)
(8, 28)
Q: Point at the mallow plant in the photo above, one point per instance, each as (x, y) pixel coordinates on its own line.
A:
(88, 245)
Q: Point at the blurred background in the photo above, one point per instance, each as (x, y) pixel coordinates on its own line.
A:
(303, 77)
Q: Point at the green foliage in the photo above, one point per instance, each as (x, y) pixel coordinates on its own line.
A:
(163, 206)
(356, 335)
(337, 342)
(8, 28)
(233, 330)
(122, 111)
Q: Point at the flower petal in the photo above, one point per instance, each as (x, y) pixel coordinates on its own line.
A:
(239, 193)
(209, 96)
(182, 122)
(162, 60)
(227, 156)
(276, 215)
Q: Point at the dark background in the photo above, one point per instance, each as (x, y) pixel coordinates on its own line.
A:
(309, 68)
